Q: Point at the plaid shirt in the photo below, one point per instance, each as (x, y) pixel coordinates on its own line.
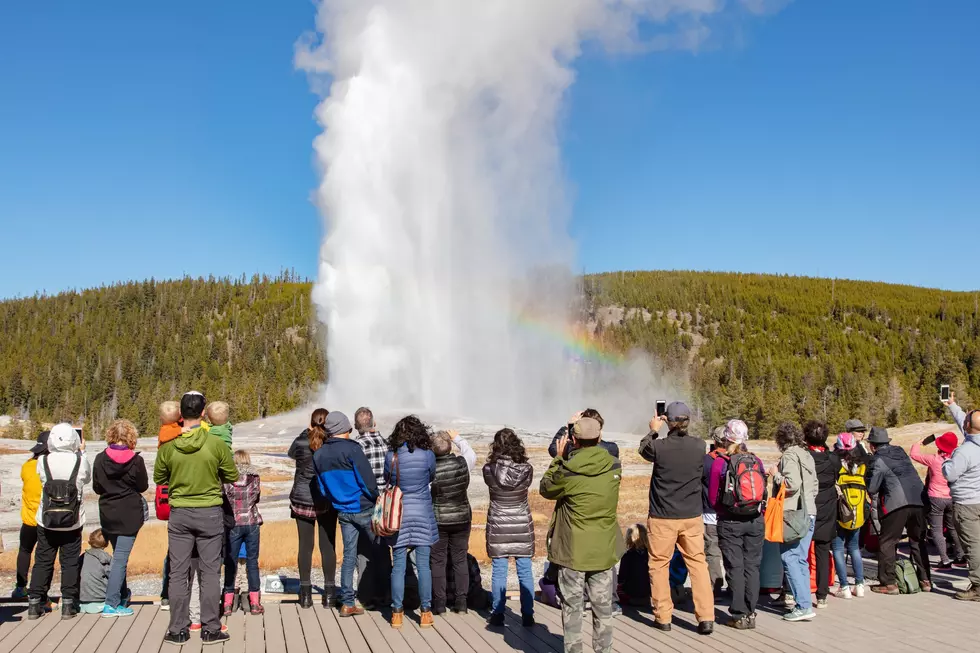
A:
(242, 497)
(375, 448)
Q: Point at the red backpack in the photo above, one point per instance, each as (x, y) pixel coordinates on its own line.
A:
(162, 502)
(744, 491)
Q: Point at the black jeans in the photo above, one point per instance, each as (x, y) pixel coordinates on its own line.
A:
(821, 555)
(306, 529)
(912, 519)
(741, 548)
(455, 540)
(28, 540)
(67, 546)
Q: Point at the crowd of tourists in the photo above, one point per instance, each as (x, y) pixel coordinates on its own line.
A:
(720, 517)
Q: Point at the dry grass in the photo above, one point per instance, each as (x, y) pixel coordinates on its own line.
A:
(7, 451)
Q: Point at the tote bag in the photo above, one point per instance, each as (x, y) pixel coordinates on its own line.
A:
(387, 517)
(774, 515)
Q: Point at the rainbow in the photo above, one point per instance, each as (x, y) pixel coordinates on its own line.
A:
(577, 343)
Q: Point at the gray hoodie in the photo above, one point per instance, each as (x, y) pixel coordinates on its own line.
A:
(95, 576)
(962, 470)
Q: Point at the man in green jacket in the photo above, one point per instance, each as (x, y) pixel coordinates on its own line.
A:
(195, 465)
(584, 537)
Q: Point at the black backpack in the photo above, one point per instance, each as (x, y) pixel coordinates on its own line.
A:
(60, 500)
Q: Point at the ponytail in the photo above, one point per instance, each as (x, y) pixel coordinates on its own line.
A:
(318, 432)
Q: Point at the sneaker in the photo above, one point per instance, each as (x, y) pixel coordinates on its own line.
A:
(843, 593)
(798, 614)
(496, 619)
(859, 590)
(822, 603)
(752, 621)
(972, 594)
(165, 605)
(177, 638)
(787, 600)
(220, 637)
(944, 566)
(127, 598)
(527, 621)
(961, 563)
(121, 611)
(617, 610)
(741, 623)
(19, 594)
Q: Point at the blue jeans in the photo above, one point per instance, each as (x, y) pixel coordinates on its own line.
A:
(423, 569)
(498, 585)
(239, 536)
(122, 546)
(352, 526)
(797, 567)
(849, 540)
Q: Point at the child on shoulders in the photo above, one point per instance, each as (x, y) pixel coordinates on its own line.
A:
(216, 413)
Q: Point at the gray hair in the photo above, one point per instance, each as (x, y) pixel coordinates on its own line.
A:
(442, 444)
(363, 419)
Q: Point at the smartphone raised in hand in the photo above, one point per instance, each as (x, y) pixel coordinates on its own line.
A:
(944, 392)
(661, 408)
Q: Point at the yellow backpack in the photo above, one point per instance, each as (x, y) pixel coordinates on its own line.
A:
(852, 498)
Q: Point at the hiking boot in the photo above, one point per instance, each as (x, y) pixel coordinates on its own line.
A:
(891, 590)
(925, 585)
(496, 619)
(662, 627)
(35, 609)
(752, 621)
(843, 593)
(255, 603)
(330, 598)
(214, 637)
(396, 618)
(425, 619)
(822, 603)
(19, 594)
(305, 597)
(741, 623)
(177, 638)
(972, 594)
(460, 607)
(69, 608)
(438, 608)
(706, 627)
(859, 590)
(228, 603)
(799, 614)
(354, 610)
(527, 621)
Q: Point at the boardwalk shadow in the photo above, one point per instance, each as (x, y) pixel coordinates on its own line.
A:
(12, 613)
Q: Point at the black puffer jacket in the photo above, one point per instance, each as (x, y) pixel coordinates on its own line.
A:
(827, 465)
(510, 529)
(305, 477)
(449, 500)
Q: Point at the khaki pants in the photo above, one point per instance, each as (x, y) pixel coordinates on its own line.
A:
(688, 536)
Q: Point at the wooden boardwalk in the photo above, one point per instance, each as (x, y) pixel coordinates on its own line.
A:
(902, 623)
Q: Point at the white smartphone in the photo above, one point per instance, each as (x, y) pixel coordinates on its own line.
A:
(944, 392)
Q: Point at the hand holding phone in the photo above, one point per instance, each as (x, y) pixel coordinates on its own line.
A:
(661, 408)
(944, 393)
(930, 439)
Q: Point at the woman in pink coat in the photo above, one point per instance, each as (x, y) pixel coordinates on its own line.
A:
(941, 505)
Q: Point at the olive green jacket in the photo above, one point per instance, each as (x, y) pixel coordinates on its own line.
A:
(584, 534)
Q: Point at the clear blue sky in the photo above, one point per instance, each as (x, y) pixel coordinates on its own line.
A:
(835, 138)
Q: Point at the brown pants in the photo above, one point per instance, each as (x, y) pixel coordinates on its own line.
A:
(688, 536)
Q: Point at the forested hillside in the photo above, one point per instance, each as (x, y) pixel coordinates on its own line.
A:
(766, 348)
(121, 350)
(772, 348)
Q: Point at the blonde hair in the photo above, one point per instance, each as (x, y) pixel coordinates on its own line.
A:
(216, 413)
(636, 537)
(242, 457)
(96, 539)
(169, 412)
(122, 431)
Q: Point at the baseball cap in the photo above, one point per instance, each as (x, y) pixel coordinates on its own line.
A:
(677, 411)
(337, 423)
(586, 429)
(718, 435)
(855, 426)
(42, 443)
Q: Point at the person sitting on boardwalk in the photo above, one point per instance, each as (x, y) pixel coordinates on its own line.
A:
(453, 516)
(962, 471)
(510, 528)
(346, 480)
(584, 536)
(675, 515)
(940, 503)
(411, 466)
(900, 490)
(195, 466)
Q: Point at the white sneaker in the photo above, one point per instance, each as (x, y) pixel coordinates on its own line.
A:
(821, 604)
(844, 592)
(859, 591)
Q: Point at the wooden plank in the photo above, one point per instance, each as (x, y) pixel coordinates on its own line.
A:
(312, 632)
(236, 630)
(92, 641)
(371, 633)
(454, 633)
(78, 632)
(394, 637)
(541, 631)
(622, 642)
(292, 630)
(352, 635)
(48, 641)
(410, 632)
(275, 640)
(255, 634)
(194, 645)
(117, 631)
(153, 641)
(485, 639)
(9, 620)
(141, 623)
(24, 628)
(331, 630)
